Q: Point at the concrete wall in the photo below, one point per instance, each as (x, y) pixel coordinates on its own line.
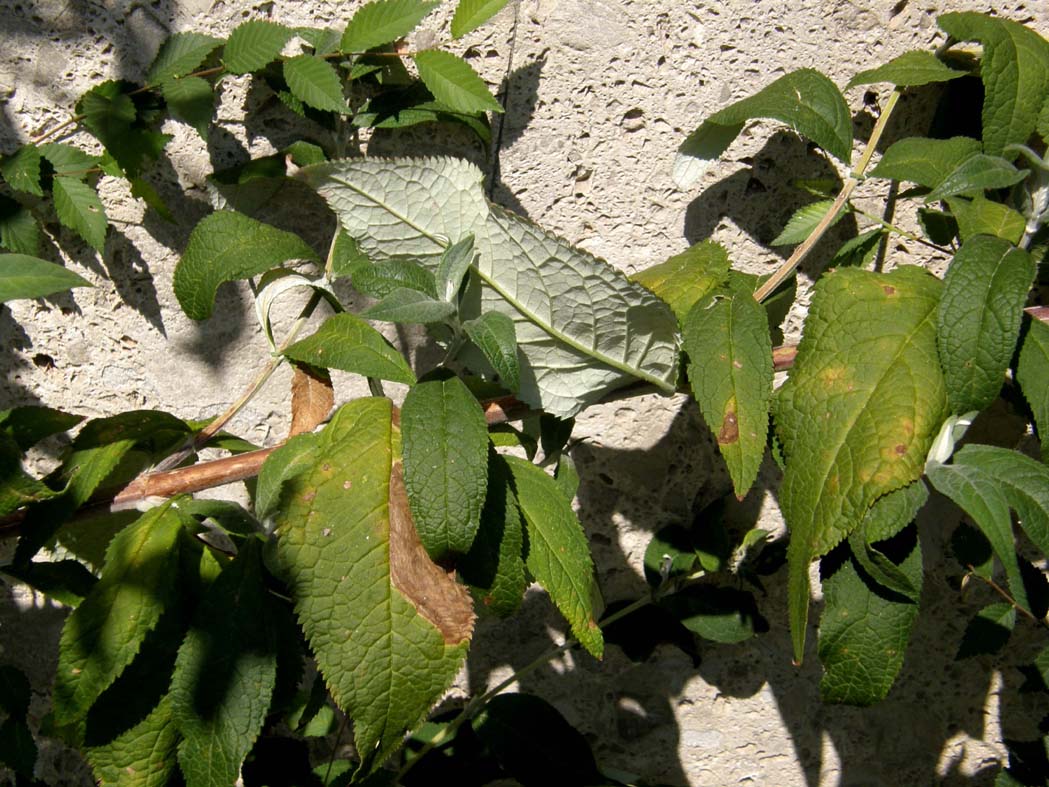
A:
(600, 94)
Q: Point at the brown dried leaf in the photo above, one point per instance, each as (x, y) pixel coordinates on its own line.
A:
(312, 398)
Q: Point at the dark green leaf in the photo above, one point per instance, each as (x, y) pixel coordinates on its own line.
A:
(65, 581)
(671, 554)
(454, 83)
(910, 69)
(495, 335)
(141, 756)
(1032, 372)
(976, 174)
(190, 100)
(226, 246)
(347, 342)
(804, 221)
(939, 226)
(382, 21)
(19, 231)
(1015, 74)
(412, 105)
(686, 277)
(988, 631)
(471, 14)
(410, 306)
(452, 268)
(22, 170)
(926, 162)
(181, 54)
(381, 279)
(981, 216)
(79, 208)
(17, 748)
(858, 252)
(111, 115)
(22, 276)
(979, 319)
(254, 44)
(68, 161)
(972, 549)
(724, 615)
(325, 41)
(445, 445)
(315, 82)
(805, 100)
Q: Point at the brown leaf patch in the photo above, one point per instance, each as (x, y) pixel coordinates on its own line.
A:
(436, 595)
(729, 432)
(312, 398)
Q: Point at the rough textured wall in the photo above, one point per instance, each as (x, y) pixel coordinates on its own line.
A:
(600, 94)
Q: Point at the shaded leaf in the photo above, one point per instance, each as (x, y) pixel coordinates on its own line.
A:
(17, 748)
(226, 246)
(315, 82)
(65, 581)
(254, 44)
(415, 104)
(471, 14)
(142, 756)
(454, 83)
(804, 221)
(724, 615)
(68, 160)
(312, 398)
(979, 319)
(110, 113)
(19, 231)
(686, 277)
(22, 276)
(190, 100)
(382, 21)
(21, 170)
(939, 226)
(495, 336)
(910, 69)
(926, 162)
(858, 252)
(30, 424)
(410, 306)
(988, 631)
(867, 368)
(347, 342)
(181, 54)
(1032, 373)
(981, 216)
(79, 208)
(671, 554)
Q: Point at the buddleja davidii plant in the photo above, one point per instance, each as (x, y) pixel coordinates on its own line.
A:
(340, 80)
(891, 367)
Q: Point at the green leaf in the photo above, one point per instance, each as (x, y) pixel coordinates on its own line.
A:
(1015, 74)
(926, 162)
(495, 336)
(225, 672)
(805, 100)
(315, 82)
(445, 444)
(864, 631)
(893, 512)
(856, 418)
(22, 170)
(726, 336)
(226, 246)
(494, 566)
(979, 319)
(454, 83)
(347, 342)
(380, 279)
(19, 231)
(471, 14)
(142, 756)
(670, 554)
(254, 44)
(190, 100)
(910, 69)
(981, 216)
(287, 461)
(989, 631)
(22, 276)
(1032, 372)
(804, 221)
(111, 115)
(452, 268)
(103, 634)
(576, 344)
(181, 54)
(686, 277)
(724, 615)
(66, 581)
(68, 160)
(18, 488)
(410, 306)
(558, 555)
(414, 104)
(382, 21)
(303, 154)
(79, 208)
(976, 174)
(939, 226)
(858, 252)
(389, 629)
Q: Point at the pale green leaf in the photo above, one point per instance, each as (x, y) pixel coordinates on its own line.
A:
(142, 756)
(22, 170)
(347, 342)
(686, 277)
(190, 100)
(495, 336)
(382, 21)
(29, 277)
(804, 221)
(558, 555)
(19, 231)
(226, 246)
(910, 69)
(864, 631)
(315, 82)
(863, 402)
(471, 14)
(379, 279)
(410, 306)
(807, 101)
(181, 54)
(225, 672)
(103, 634)
(975, 175)
(79, 208)
(68, 160)
(1032, 372)
(981, 216)
(726, 336)
(454, 83)
(254, 44)
(926, 162)
(979, 319)
(575, 343)
(452, 268)
(445, 445)
(1015, 74)
(389, 629)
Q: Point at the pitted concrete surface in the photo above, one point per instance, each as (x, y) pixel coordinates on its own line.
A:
(600, 94)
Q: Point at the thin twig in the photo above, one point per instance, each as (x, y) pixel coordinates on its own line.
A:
(1005, 594)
